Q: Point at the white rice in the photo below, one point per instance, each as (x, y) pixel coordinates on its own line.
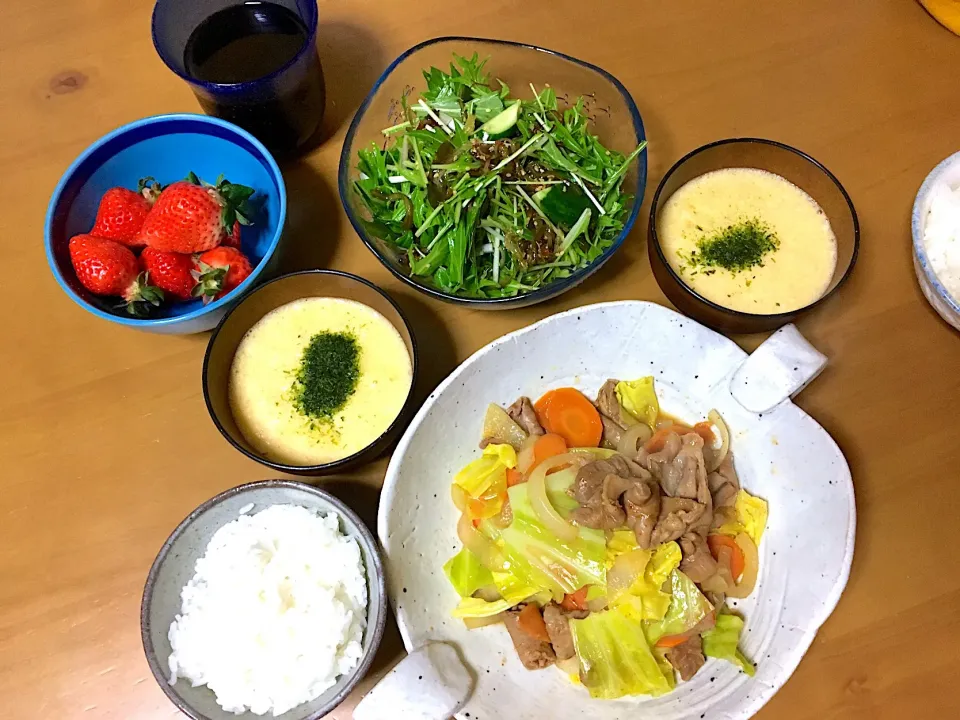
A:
(274, 613)
(941, 236)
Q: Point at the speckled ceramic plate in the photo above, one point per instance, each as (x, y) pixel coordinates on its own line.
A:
(782, 455)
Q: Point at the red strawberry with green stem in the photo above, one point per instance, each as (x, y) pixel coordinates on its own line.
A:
(193, 216)
(232, 239)
(105, 267)
(219, 271)
(121, 212)
(171, 272)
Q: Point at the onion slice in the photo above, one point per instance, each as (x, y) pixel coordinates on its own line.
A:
(481, 546)
(525, 456)
(474, 623)
(542, 508)
(718, 456)
(637, 434)
(751, 568)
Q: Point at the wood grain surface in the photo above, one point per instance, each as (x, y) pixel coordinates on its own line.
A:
(105, 443)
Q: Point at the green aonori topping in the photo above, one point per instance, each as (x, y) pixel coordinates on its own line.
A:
(327, 376)
(738, 247)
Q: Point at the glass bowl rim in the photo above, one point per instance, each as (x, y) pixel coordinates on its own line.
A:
(654, 239)
(550, 290)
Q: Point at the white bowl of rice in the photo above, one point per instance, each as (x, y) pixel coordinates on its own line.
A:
(936, 239)
(268, 600)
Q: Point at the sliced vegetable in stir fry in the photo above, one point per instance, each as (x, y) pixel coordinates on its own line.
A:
(488, 195)
(610, 558)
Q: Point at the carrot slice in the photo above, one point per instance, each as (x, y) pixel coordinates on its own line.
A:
(568, 413)
(575, 601)
(514, 477)
(737, 560)
(671, 641)
(704, 430)
(547, 446)
(531, 622)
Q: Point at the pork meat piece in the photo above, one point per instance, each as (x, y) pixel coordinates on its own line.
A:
(558, 628)
(724, 484)
(698, 563)
(677, 516)
(534, 653)
(679, 466)
(523, 414)
(687, 658)
(641, 502)
(609, 406)
(616, 492)
(612, 433)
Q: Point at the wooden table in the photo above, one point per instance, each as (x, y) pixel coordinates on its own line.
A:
(105, 441)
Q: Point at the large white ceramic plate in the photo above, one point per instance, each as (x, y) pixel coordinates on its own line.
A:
(782, 455)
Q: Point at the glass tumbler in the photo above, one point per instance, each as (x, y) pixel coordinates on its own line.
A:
(252, 63)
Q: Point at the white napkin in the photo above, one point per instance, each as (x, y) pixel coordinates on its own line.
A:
(431, 683)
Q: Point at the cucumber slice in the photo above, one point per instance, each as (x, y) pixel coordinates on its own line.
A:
(502, 125)
(564, 204)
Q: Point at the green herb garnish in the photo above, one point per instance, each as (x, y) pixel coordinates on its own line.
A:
(327, 376)
(458, 189)
(736, 248)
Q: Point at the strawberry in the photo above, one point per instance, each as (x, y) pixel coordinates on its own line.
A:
(171, 272)
(219, 271)
(105, 267)
(121, 212)
(232, 239)
(193, 216)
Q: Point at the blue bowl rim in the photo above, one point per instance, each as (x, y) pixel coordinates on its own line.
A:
(653, 238)
(550, 290)
(205, 309)
(920, 252)
(240, 87)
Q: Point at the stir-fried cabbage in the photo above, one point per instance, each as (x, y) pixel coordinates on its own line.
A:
(639, 399)
(466, 574)
(751, 517)
(643, 598)
(688, 606)
(543, 560)
(486, 470)
(512, 590)
(615, 659)
(722, 641)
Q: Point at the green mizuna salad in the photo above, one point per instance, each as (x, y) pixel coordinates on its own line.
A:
(488, 195)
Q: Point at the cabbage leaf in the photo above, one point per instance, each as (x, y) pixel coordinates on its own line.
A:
(688, 606)
(489, 469)
(512, 590)
(466, 574)
(722, 641)
(752, 515)
(615, 659)
(644, 599)
(542, 560)
(639, 399)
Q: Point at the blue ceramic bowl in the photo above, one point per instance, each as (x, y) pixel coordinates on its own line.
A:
(166, 147)
(616, 121)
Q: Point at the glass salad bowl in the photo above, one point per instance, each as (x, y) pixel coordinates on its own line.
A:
(613, 118)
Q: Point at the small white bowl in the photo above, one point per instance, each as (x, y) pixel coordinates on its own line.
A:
(175, 566)
(933, 289)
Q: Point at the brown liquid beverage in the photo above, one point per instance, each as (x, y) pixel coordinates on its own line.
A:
(247, 43)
